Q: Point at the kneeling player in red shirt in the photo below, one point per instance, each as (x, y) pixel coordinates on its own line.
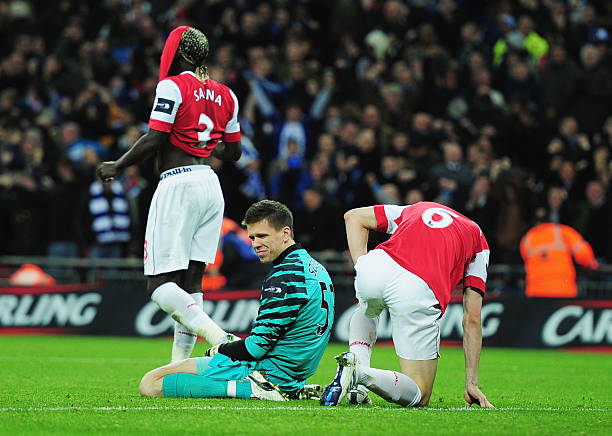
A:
(431, 250)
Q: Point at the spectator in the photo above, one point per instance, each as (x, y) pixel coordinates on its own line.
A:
(352, 188)
(556, 209)
(294, 125)
(568, 178)
(548, 250)
(76, 146)
(594, 90)
(602, 165)
(317, 176)
(414, 196)
(522, 84)
(138, 194)
(446, 89)
(392, 82)
(368, 151)
(487, 105)
(423, 144)
(514, 214)
(383, 133)
(451, 179)
(596, 221)
(25, 183)
(110, 220)
(525, 133)
(243, 182)
(571, 144)
(63, 212)
(471, 39)
(318, 225)
(559, 81)
(285, 172)
(523, 38)
(409, 83)
(481, 205)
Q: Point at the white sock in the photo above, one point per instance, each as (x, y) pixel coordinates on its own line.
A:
(393, 386)
(185, 339)
(182, 307)
(362, 336)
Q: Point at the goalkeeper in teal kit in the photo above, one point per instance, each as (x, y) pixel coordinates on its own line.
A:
(288, 338)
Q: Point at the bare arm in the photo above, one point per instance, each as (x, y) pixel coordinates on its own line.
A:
(143, 148)
(358, 222)
(472, 344)
(228, 151)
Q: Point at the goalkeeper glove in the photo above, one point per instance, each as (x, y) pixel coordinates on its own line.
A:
(212, 351)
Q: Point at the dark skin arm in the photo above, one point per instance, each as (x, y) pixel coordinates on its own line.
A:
(169, 156)
(142, 149)
(228, 151)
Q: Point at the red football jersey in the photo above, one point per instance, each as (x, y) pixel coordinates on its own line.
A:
(436, 243)
(197, 115)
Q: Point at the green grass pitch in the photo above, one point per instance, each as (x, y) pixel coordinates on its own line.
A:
(89, 385)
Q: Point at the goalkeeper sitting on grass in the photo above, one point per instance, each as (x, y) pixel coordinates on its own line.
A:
(288, 338)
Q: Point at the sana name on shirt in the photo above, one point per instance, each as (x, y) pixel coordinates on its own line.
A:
(209, 95)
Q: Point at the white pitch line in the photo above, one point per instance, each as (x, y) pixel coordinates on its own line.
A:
(295, 408)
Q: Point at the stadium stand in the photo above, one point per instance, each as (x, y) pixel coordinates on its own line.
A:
(483, 106)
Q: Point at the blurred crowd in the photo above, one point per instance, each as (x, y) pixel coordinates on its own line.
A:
(501, 110)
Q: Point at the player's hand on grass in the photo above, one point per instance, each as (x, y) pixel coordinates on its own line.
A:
(473, 395)
(107, 171)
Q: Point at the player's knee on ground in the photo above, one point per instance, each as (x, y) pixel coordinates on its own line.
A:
(425, 395)
(150, 385)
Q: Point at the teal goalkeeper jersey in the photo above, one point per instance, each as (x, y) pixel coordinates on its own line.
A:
(295, 318)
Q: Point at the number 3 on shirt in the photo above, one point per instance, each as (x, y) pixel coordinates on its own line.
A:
(204, 135)
(437, 218)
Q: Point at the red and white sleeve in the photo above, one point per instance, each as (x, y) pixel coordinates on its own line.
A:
(232, 128)
(476, 274)
(387, 217)
(167, 101)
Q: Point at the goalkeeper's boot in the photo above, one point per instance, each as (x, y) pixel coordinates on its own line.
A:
(309, 392)
(359, 395)
(264, 389)
(345, 380)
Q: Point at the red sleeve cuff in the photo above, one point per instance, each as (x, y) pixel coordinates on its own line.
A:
(382, 225)
(162, 126)
(475, 282)
(232, 137)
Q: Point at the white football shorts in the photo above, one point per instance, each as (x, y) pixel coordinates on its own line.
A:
(382, 283)
(184, 220)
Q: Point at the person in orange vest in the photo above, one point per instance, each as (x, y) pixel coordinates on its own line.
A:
(547, 250)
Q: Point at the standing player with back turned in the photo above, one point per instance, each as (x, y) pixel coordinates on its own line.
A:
(190, 115)
(431, 250)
